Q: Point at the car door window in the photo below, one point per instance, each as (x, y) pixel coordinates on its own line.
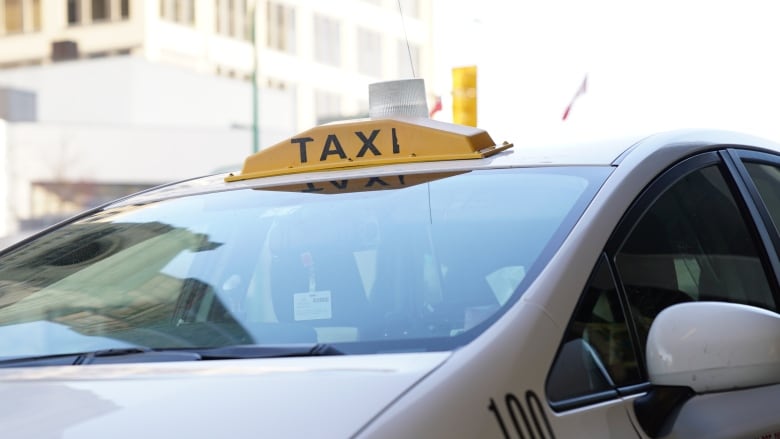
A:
(692, 243)
(596, 354)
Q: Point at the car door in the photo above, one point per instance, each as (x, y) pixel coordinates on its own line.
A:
(696, 235)
(690, 236)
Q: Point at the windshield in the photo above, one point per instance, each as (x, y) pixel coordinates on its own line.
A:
(425, 267)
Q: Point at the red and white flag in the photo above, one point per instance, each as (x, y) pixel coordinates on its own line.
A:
(580, 92)
(436, 107)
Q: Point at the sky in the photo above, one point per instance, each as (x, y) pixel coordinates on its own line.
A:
(650, 65)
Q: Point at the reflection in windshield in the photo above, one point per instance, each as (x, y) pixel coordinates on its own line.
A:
(421, 264)
(44, 337)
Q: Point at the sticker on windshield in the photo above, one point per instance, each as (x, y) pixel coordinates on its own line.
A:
(504, 281)
(314, 305)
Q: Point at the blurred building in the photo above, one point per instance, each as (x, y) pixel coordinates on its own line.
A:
(102, 97)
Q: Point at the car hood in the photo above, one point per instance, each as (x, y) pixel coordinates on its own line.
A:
(285, 397)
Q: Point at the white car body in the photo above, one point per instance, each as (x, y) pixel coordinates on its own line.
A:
(493, 386)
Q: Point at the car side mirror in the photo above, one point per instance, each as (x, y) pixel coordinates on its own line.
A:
(701, 347)
(714, 346)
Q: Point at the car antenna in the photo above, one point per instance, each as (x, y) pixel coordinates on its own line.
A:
(406, 37)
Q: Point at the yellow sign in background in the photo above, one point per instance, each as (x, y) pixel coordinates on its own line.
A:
(464, 95)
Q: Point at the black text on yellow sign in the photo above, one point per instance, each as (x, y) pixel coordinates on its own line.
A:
(362, 143)
(368, 143)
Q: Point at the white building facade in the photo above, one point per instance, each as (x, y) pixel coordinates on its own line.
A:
(119, 95)
(325, 51)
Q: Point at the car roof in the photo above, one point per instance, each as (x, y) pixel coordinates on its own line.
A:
(660, 148)
(612, 151)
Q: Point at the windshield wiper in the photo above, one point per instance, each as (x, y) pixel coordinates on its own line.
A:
(267, 351)
(134, 355)
(105, 356)
(148, 355)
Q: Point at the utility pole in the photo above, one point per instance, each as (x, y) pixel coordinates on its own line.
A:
(255, 102)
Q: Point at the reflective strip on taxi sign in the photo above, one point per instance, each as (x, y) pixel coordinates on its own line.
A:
(369, 142)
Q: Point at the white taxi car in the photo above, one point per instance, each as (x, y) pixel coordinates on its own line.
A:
(399, 277)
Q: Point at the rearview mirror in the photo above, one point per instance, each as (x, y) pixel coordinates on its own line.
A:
(714, 346)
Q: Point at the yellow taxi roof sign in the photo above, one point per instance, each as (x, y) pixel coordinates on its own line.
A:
(369, 142)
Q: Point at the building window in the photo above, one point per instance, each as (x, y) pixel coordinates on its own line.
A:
(36, 14)
(74, 12)
(281, 27)
(178, 11)
(101, 10)
(13, 16)
(20, 16)
(231, 18)
(369, 52)
(220, 18)
(225, 17)
(327, 40)
(248, 19)
(96, 11)
(408, 55)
